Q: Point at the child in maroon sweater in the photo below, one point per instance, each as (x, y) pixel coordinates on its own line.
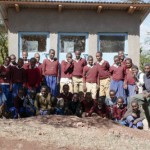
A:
(18, 77)
(66, 72)
(77, 74)
(33, 75)
(5, 78)
(119, 110)
(51, 72)
(90, 77)
(104, 75)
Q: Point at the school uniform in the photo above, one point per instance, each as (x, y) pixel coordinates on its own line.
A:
(104, 77)
(33, 78)
(5, 82)
(90, 77)
(26, 64)
(73, 107)
(129, 119)
(131, 82)
(18, 79)
(78, 74)
(50, 71)
(66, 75)
(117, 81)
(43, 104)
(18, 108)
(118, 112)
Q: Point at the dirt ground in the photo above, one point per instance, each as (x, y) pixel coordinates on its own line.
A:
(70, 133)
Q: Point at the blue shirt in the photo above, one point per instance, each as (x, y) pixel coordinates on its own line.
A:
(2, 98)
(110, 102)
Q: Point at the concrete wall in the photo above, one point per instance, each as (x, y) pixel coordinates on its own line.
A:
(48, 20)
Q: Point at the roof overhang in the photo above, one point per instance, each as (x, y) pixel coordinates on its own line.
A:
(130, 8)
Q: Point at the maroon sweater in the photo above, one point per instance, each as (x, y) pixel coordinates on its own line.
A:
(33, 78)
(129, 77)
(66, 69)
(78, 67)
(90, 74)
(50, 68)
(117, 72)
(118, 113)
(103, 70)
(26, 66)
(18, 75)
(4, 74)
(87, 105)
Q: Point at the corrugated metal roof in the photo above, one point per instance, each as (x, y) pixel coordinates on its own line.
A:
(85, 1)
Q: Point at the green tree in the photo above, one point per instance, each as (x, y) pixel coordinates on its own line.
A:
(3, 46)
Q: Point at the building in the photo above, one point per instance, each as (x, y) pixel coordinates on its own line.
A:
(68, 25)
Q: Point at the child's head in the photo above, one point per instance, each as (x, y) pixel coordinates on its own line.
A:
(51, 53)
(69, 57)
(37, 57)
(90, 60)
(44, 91)
(32, 62)
(112, 94)
(77, 54)
(25, 55)
(99, 56)
(120, 102)
(21, 92)
(100, 102)
(13, 59)
(7, 61)
(32, 93)
(20, 62)
(121, 55)
(135, 70)
(88, 96)
(81, 95)
(135, 106)
(147, 69)
(117, 60)
(128, 62)
(66, 88)
(75, 97)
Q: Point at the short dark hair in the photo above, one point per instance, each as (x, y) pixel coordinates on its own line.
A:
(101, 54)
(69, 54)
(90, 56)
(135, 67)
(32, 59)
(112, 91)
(120, 98)
(129, 59)
(51, 50)
(116, 56)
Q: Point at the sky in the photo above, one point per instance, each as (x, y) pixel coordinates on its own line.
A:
(145, 34)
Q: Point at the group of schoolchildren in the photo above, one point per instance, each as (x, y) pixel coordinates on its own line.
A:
(75, 87)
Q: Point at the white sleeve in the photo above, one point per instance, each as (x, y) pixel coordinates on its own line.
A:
(141, 78)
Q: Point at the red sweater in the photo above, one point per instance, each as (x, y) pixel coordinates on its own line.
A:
(18, 75)
(4, 74)
(118, 113)
(66, 69)
(50, 68)
(90, 74)
(33, 78)
(78, 67)
(103, 70)
(26, 66)
(129, 78)
(87, 105)
(117, 72)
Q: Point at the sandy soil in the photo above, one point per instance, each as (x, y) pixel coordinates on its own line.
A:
(70, 133)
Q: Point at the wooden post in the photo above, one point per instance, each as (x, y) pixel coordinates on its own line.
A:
(131, 10)
(17, 7)
(99, 9)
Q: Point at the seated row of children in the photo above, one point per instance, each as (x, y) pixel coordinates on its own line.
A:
(79, 104)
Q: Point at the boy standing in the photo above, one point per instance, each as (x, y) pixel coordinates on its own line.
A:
(67, 67)
(77, 74)
(51, 73)
(104, 75)
(90, 77)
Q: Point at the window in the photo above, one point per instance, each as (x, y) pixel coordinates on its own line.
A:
(70, 42)
(112, 43)
(34, 42)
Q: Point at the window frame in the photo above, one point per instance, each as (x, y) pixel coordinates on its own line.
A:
(86, 34)
(33, 33)
(114, 34)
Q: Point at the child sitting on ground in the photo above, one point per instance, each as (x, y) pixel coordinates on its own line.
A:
(2, 103)
(110, 102)
(18, 111)
(134, 116)
(119, 110)
(43, 102)
(29, 103)
(99, 108)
